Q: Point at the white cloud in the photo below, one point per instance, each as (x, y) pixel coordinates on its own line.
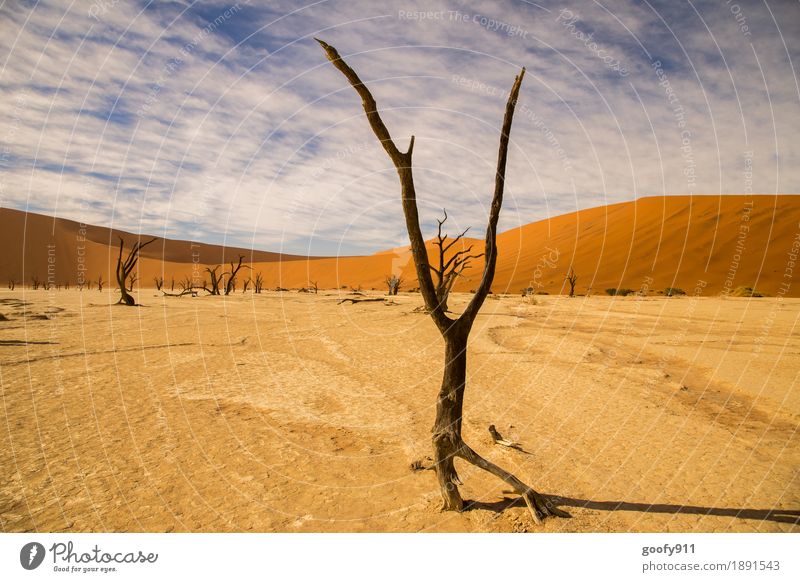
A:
(253, 138)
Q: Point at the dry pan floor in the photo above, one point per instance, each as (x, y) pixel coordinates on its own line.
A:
(290, 412)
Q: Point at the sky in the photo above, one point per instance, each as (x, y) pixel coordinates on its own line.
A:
(223, 122)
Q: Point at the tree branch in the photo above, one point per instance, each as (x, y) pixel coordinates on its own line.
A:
(497, 201)
(402, 163)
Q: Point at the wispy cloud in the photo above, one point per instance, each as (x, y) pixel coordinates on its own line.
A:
(224, 122)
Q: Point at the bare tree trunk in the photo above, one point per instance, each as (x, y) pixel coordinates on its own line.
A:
(447, 441)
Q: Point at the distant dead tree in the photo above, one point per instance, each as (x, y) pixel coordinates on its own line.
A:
(159, 281)
(258, 282)
(313, 285)
(393, 283)
(125, 269)
(12, 284)
(187, 284)
(66, 285)
(246, 284)
(235, 268)
(172, 283)
(100, 283)
(132, 281)
(216, 280)
(35, 282)
(449, 269)
(448, 443)
(571, 278)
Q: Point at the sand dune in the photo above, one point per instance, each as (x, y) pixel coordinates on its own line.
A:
(710, 243)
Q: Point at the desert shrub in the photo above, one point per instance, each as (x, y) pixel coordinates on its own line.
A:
(671, 291)
(746, 292)
(622, 292)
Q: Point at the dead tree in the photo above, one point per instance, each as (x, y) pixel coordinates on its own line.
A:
(12, 284)
(125, 269)
(235, 268)
(313, 285)
(258, 283)
(449, 269)
(216, 280)
(393, 283)
(159, 281)
(187, 284)
(66, 285)
(246, 284)
(100, 283)
(447, 441)
(571, 278)
(172, 283)
(35, 282)
(132, 281)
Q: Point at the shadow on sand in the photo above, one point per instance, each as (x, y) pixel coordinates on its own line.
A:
(779, 515)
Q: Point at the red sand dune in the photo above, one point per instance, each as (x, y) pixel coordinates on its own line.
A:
(708, 243)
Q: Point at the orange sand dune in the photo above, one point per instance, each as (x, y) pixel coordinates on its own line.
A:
(713, 243)
(710, 244)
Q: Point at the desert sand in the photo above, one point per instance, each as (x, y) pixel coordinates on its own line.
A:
(290, 412)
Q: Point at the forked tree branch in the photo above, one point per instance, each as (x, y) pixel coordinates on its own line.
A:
(402, 163)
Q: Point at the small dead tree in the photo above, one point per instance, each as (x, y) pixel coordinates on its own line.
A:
(187, 284)
(216, 280)
(235, 268)
(393, 282)
(571, 278)
(172, 283)
(159, 281)
(246, 284)
(451, 268)
(125, 268)
(313, 285)
(100, 283)
(132, 281)
(12, 284)
(258, 283)
(66, 285)
(447, 441)
(35, 282)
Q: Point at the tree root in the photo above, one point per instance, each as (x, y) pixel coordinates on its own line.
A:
(540, 507)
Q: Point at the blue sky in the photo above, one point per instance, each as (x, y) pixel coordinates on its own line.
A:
(223, 122)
